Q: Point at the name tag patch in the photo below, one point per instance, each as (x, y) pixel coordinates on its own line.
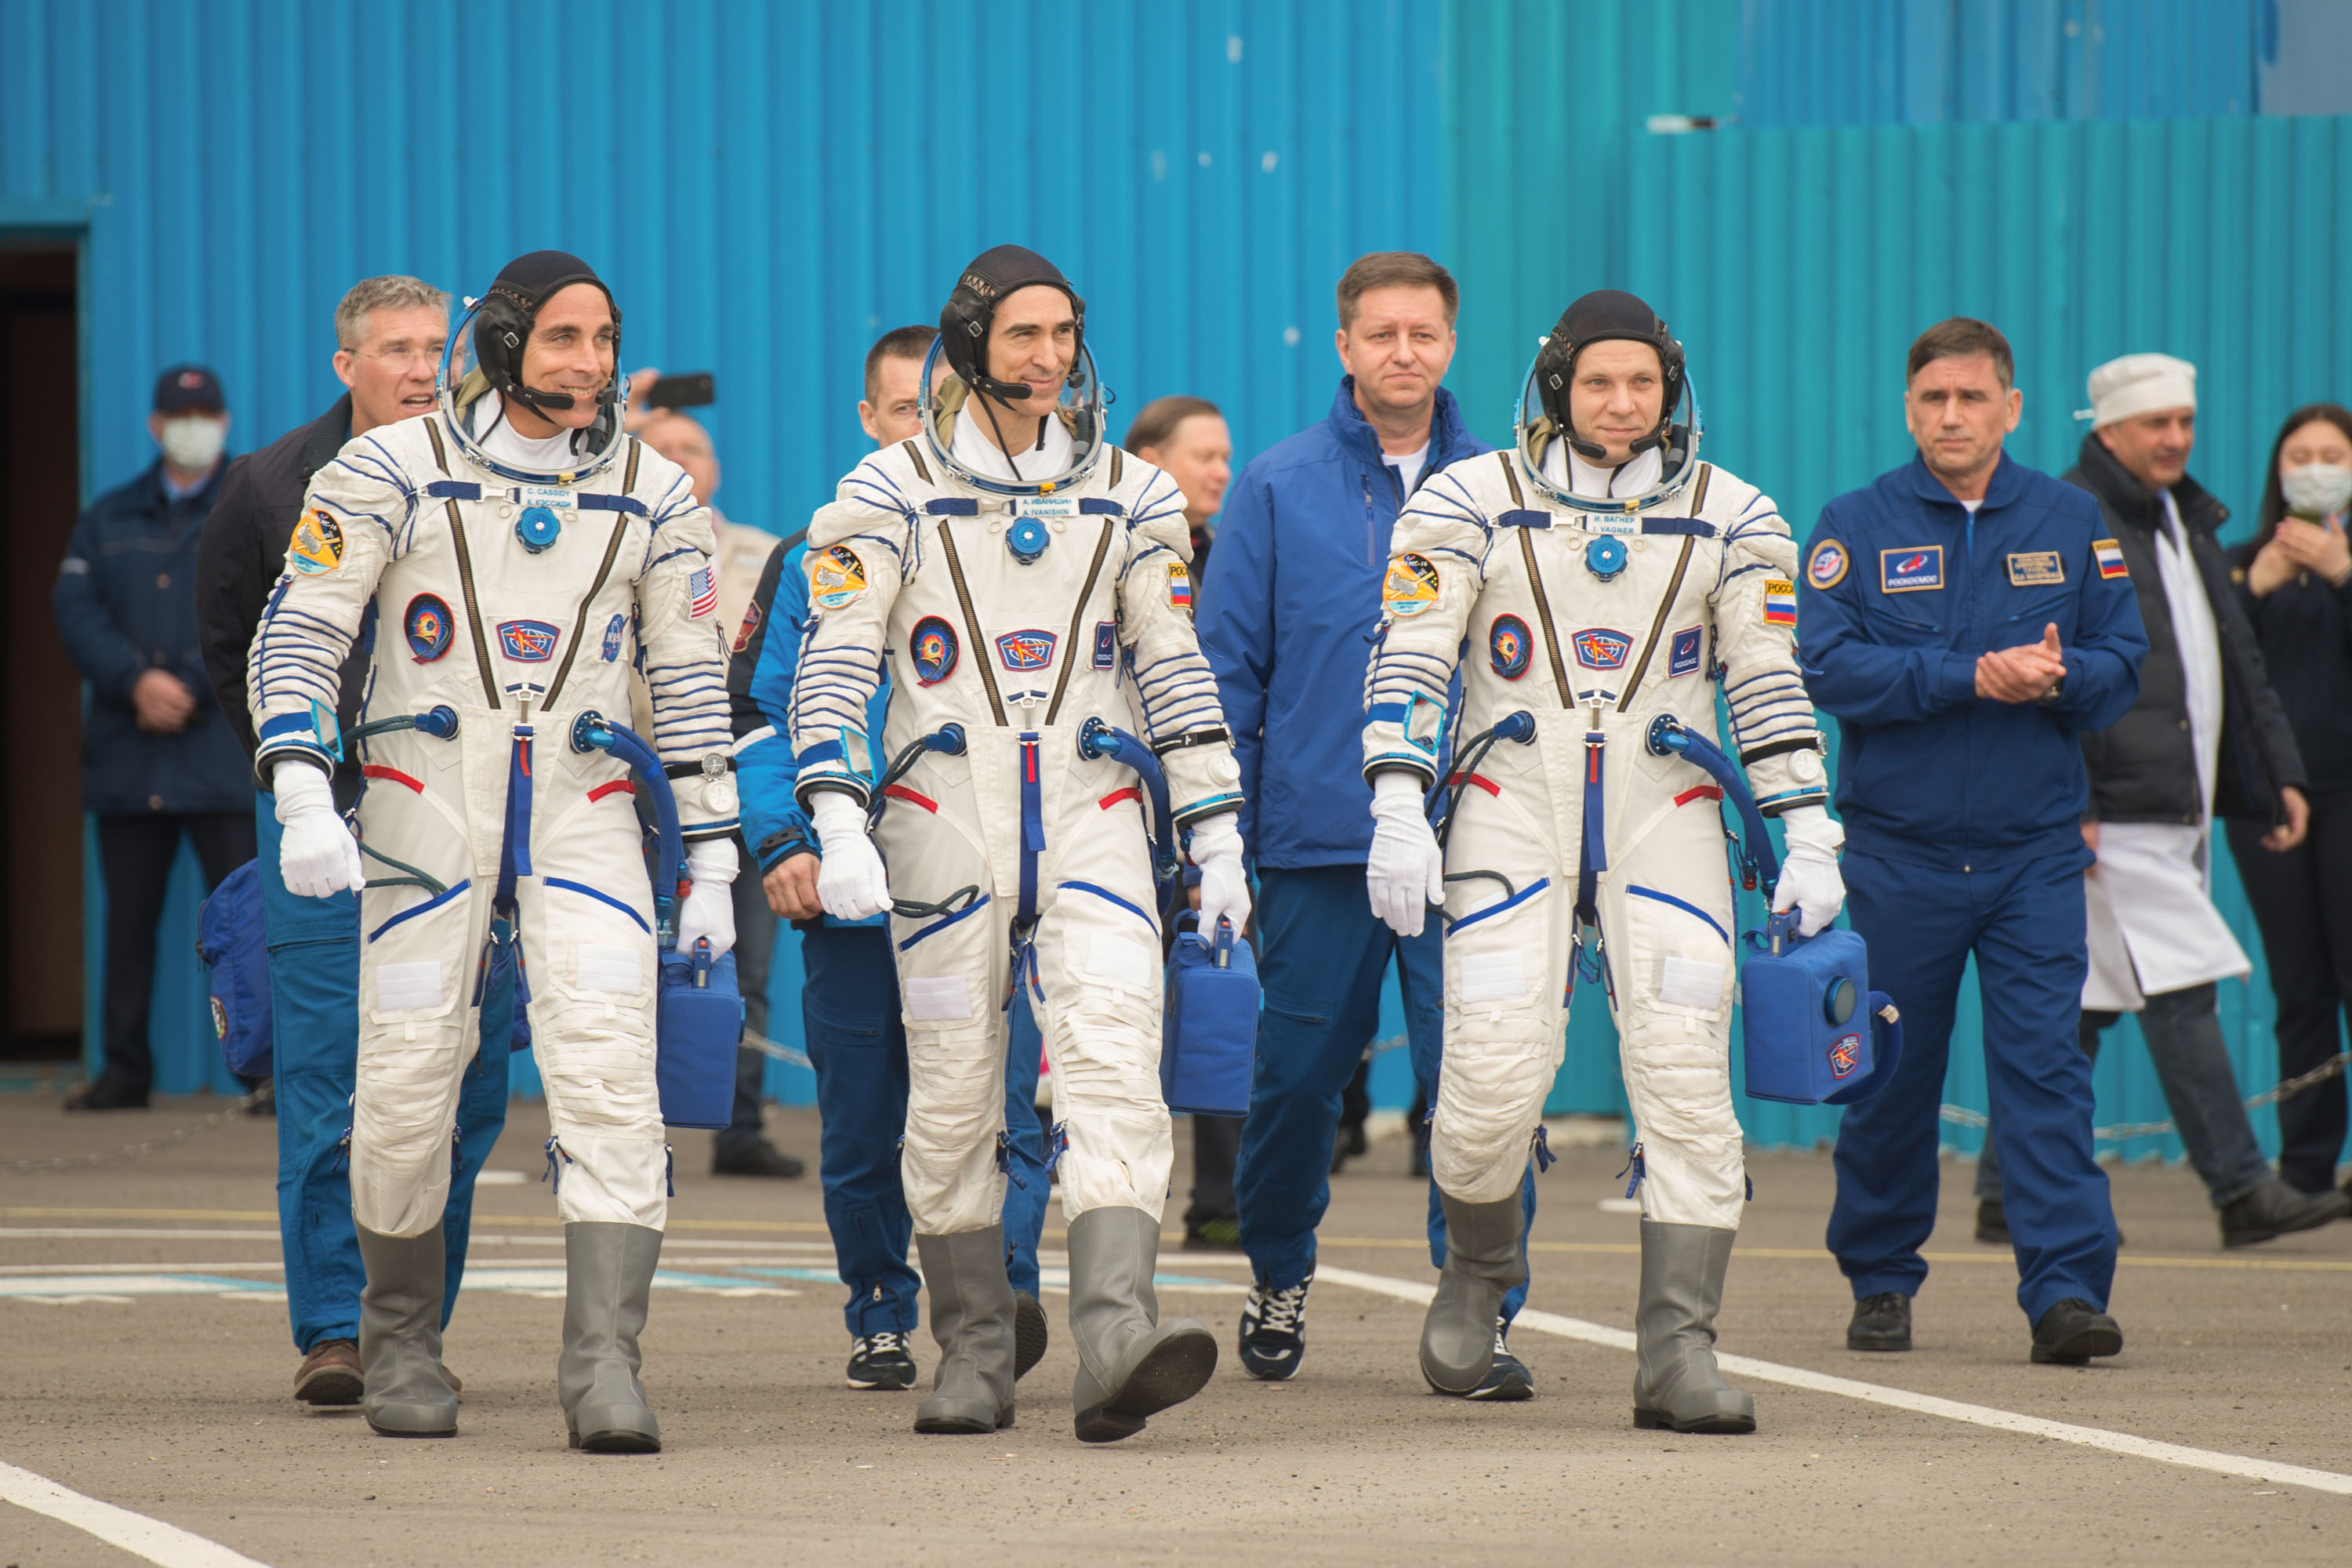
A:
(1682, 655)
(1911, 569)
(1780, 602)
(544, 495)
(2035, 569)
(2110, 557)
(1048, 506)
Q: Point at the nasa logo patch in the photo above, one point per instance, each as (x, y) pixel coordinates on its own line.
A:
(1911, 569)
(1682, 653)
(1599, 647)
(1024, 651)
(1508, 646)
(1825, 567)
(318, 543)
(612, 637)
(1845, 1055)
(935, 649)
(1410, 585)
(528, 642)
(1106, 645)
(836, 576)
(427, 625)
(751, 624)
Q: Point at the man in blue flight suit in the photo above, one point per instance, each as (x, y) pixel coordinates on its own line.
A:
(1967, 619)
(1286, 622)
(849, 1000)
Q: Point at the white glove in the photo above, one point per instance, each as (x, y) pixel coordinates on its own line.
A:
(317, 856)
(1225, 885)
(851, 884)
(1809, 873)
(1407, 870)
(709, 907)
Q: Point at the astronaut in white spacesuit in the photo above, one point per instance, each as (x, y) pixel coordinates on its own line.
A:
(1602, 577)
(1019, 575)
(511, 557)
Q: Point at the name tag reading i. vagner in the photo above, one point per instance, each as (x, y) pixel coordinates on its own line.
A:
(2035, 569)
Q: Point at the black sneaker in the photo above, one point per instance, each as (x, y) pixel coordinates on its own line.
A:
(1992, 1222)
(757, 1158)
(1029, 1334)
(2072, 1331)
(1508, 1379)
(2275, 1209)
(880, 1362)
(1881, 1322)
(1274, 1331)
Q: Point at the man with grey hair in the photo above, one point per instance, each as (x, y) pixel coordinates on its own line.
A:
(389, 333)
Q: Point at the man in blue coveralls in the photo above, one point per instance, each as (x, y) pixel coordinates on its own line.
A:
(1286, 622)
(849, 1000)
(1967, 619)
(389, 333)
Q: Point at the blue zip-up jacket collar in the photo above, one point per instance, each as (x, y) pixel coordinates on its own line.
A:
(1901, 592)
(1287, 611)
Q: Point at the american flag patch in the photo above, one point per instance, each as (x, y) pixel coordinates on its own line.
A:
(2110, 557)
(703, 589)
(1780, 602)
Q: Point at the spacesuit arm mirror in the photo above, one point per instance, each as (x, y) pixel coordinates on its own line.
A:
(863, 550)
(685, 662)
(1437, 571)
(1777, 735)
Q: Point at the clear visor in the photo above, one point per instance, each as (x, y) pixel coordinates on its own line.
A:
(474, 417)
(1079, 407)
(1538, 438)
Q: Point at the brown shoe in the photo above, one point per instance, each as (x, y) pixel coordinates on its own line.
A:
(330, 1375)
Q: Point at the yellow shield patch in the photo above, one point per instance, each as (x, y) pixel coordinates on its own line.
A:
(1410, 585)
(318, 543)
(835, 577)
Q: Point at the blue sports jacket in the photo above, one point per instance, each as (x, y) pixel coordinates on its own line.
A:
(1287, 619)
(1902, 591)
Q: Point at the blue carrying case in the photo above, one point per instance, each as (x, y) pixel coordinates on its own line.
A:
(698, 1026)
(1812, 1032)
(1208, 1043)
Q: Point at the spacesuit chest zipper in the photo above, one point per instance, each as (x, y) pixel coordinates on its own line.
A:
(971, 621)
(587, 604)
(473, 607)
(1658, 623)
(1543, 617)
(1078, 619)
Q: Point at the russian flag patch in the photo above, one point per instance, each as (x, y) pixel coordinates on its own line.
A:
(2110, 557)
(1780, 602)
(703, 589)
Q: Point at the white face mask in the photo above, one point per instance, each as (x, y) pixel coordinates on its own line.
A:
(2316, 490)
(193, 443)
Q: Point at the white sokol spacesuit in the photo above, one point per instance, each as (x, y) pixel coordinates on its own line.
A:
(1018, 610)
(1592, 601)
(509, 601)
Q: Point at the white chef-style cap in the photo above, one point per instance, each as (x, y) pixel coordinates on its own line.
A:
(2139, 384)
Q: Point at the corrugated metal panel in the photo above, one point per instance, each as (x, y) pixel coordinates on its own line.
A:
(1841, 62)
(768, 187)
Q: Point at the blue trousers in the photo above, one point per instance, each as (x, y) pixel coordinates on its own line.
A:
(857, 1044)
(314, 987)
(1322, 955)
(2025, 924)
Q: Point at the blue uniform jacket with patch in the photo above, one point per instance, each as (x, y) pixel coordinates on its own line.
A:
(1901, 590)
(760, 684)
(1286, 620)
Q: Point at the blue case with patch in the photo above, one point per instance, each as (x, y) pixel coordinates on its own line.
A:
(232, 939)
(699, 1024)
(1208, 1043)
(1812, 1029)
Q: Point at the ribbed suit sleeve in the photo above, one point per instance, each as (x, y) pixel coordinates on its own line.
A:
(1754, 603)
(1173, 684)
(1437, 569)
(868, 536)
(686, 659)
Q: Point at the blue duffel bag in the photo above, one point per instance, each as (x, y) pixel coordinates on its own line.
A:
(1208, 1043)
(233, 941)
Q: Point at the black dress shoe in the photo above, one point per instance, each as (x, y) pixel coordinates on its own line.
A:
(1881, 1322)
(2275, 1209)
(1992, 1222)
(2072, 1331)
(109, 1093)
(760, 1158)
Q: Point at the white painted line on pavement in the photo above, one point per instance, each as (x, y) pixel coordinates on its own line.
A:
(1898, 1398)
(152, 1539)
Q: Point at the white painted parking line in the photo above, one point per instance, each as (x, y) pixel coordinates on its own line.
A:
(1898, 1398)
(152, 1539)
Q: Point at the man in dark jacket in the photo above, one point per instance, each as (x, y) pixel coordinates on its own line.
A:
(156, 759)
(389, 332)
(1286, 622)
(2206, 738)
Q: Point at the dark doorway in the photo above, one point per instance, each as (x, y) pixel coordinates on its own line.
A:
(40, 700)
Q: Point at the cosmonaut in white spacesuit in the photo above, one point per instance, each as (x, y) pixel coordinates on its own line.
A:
(1590, 580)
(1017, 573)
(511, 557)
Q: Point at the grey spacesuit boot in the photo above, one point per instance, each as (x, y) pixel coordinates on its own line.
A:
(972, 1319)
(608, 1275)
(400, 1336)
(1676, 1386)
(1131, 1364)
(1482, 1266)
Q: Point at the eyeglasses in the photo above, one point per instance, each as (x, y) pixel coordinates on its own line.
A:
(398, 358)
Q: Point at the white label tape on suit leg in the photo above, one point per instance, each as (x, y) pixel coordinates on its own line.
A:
(607, 967)
(1116, 958)
(937, 997)
(1691, 982)
(408, 987)
(1490, 976)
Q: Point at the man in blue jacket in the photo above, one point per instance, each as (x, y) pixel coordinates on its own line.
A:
(157, 760)
(1967, 619)
(849, 998)
(1286, 622)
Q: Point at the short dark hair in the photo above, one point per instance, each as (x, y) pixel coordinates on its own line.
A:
(1156, 425)
(1961, 338)
(1395, 270)
(899, 342)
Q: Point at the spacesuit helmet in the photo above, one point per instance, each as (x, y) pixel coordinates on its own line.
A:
(484, 354)
(1544, 416)
(965, 324)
